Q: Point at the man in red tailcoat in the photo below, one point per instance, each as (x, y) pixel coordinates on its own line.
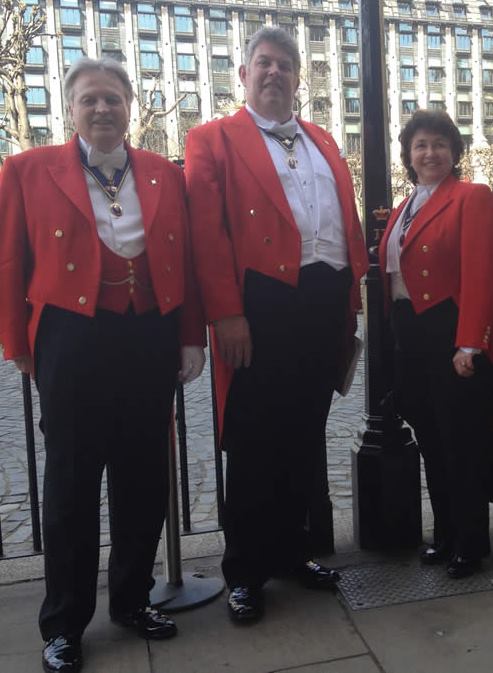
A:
(97, 302)
(279, 254)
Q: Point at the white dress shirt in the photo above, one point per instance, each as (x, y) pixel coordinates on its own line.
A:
(311, 192)
(124, 235)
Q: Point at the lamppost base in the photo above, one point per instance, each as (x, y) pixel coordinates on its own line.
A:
(193, 591)
(386, 490)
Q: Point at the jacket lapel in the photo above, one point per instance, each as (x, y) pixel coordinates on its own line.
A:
(68, 176)
(439, 200)
(149, 182)
(250, 147)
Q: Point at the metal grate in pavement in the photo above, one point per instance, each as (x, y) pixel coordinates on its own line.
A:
(378, 584)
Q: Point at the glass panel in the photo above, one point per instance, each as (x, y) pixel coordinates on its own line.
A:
(185, 62)
(70, 17)
(183, 24)
(407, 73)
(409, 106)
(36, 95)
(108, 20)
(149, 60)
(71, 55)
(217, 27)
(35, 56)
(220, 64)
(147, 21)
(317, 33)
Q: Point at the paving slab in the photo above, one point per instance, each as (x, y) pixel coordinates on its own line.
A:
(360, 664)
(445, 635)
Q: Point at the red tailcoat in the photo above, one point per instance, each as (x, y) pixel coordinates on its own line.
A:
(240, 217)
(50, 250)
(448, 253)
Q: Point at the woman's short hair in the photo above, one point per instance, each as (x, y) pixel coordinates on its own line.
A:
(432, 121)
(86, 64)
(281, 39)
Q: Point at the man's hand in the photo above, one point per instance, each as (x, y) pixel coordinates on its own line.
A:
(463, 363)
(192, 363)
(234, 341)
(25, 364)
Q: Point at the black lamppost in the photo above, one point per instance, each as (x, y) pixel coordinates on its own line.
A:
(385, 462)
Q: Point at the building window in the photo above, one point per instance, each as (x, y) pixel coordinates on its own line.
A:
(316, 3)
(183, 21)
(35, 56)
(349, 32)
(72, 49)
(317, 33)
(350, 65)
(146, 17)
(462, 39)
(351, 101)
(149, 57)
(435, 75)
(218, 24)
(459, 11)
(405, 34)
(432, 9)
(464, 76)
(70, 17)
(220, 64)
(409, 107)
(407, 73)
(4, 143)
(487, 38)
(486, 12)
(319, 68)
(404, 8)
(290, 28)
(108, 5)
(108, 19)
(434, 37)
(488, 77)
(346, 4)
(190, 102)
(36, 95)
(436, 105)
(488, 109)
(353, 143)
(320, 105)
(251, 27)
(464, 109)
(185, 63)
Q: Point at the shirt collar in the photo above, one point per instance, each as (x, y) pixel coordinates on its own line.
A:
(86, 147)
(288, 128)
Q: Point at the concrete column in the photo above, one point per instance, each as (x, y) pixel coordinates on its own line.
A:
(92, 49)
(54, 70)
(303, 91)
(170, 80)
(478, 137)
(393, 67)
(336, 93)
(204, 77)
(422, 69)
(131, 67)
(450, 95)
(238, 92)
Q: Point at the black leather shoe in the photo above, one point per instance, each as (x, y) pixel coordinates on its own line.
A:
(434, 555)
(461, 566)
(62, 654)
(150, 623)
(245, 604)
(312, 575)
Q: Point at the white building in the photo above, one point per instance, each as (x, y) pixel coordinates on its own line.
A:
(439, 55)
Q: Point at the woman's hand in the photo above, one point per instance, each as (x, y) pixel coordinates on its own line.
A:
(463, 363)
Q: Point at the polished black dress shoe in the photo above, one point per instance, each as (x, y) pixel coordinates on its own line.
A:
(434, 555)
(245, 604)
(150, 623)
(312, 575)
(460, 567)
(62, 654)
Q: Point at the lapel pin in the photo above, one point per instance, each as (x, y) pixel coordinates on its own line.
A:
(153, 181)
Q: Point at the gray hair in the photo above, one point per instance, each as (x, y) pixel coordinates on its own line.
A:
(86, 64)
(281, 39)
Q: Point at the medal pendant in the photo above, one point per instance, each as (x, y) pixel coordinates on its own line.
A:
(116, 209)
(112, 189)
(292, 162)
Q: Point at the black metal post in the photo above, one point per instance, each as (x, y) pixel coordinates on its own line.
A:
(181, 427)
(218, 458)
(31, 461)
(385, 464)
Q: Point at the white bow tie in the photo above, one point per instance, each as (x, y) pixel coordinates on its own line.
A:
(286, 130)
(107, 162)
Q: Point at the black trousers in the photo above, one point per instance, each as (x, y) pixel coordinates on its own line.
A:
(106, 387)
(276, 411)
(451, 418)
